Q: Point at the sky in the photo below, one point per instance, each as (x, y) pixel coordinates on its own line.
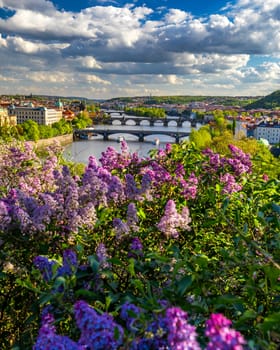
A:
(102, 49)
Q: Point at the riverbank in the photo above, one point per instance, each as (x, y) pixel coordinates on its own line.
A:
(63, 140)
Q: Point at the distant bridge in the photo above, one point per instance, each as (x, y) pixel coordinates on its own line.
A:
(141, 134)
(124, 119)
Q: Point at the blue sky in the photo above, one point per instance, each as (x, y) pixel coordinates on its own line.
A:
(103, 49)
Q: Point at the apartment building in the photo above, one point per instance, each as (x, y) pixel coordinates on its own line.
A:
(41, 115)
(269, 130)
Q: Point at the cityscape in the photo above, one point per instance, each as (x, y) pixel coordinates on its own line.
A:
(260, 123)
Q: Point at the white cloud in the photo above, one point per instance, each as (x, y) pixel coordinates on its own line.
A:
(115, 47)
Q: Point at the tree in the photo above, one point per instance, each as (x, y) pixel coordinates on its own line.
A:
(31, 130)
(201, 138)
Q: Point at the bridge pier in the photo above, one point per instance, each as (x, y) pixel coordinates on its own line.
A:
(165, 123)
(105, 136)
(179, 123)
(141, 138)
(152, 122)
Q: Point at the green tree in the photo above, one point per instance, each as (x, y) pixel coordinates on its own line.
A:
(201, 138)
(31, 130)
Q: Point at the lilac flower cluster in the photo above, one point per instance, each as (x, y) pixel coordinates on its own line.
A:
(98, 332)
(51, 268)
(240, 162)
(21, 168)
(122, 227)
(229, 183)
(129, 314)
(189, 187)
(135, 248)
(181, 335)
(102, 256)
(169, 330)
(111, 159)
(172, 220)
(221, 335)
(49, 340)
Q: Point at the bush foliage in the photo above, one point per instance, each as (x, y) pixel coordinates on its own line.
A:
(179, 250)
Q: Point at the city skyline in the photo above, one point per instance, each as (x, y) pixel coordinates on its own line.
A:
(104, 49)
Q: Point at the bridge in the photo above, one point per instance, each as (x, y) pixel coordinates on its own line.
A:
(124, 119)
(141, 134)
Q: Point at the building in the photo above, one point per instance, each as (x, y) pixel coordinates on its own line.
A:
(40, 115)
(6, 119)
(269, 130)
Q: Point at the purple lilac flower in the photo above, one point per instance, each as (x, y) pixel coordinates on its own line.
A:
(154, 337)
(5, 218)
(45, 266)
(70, 263)
(102, 256)
(98, 332)
(190, 187)
(230, 185)
(131, 217)
(49, 340)
(146, 184)
(221, 335)
(136, 248)
(129, 313)
(131, 190)
(180, 170)
(214, 162)
(181, 335)
(120, 227)
(92, 163)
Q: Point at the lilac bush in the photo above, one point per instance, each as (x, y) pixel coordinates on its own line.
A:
(170, 330)
(128, 232)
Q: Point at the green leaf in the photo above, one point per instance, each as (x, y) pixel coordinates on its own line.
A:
(271, 323)
(276, 207)
(94, 264)
(184, 284)
(131, 267)
(141, 214)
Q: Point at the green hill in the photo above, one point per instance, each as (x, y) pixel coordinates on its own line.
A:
(271, 101)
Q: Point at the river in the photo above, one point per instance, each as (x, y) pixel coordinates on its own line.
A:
(79, 151)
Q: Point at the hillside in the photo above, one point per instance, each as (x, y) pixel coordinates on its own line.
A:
(271, 101)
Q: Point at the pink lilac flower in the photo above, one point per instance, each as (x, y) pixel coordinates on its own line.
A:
(221, 335)
(172, 220)
(265, 177)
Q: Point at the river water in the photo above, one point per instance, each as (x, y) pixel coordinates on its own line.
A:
(79, 151)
